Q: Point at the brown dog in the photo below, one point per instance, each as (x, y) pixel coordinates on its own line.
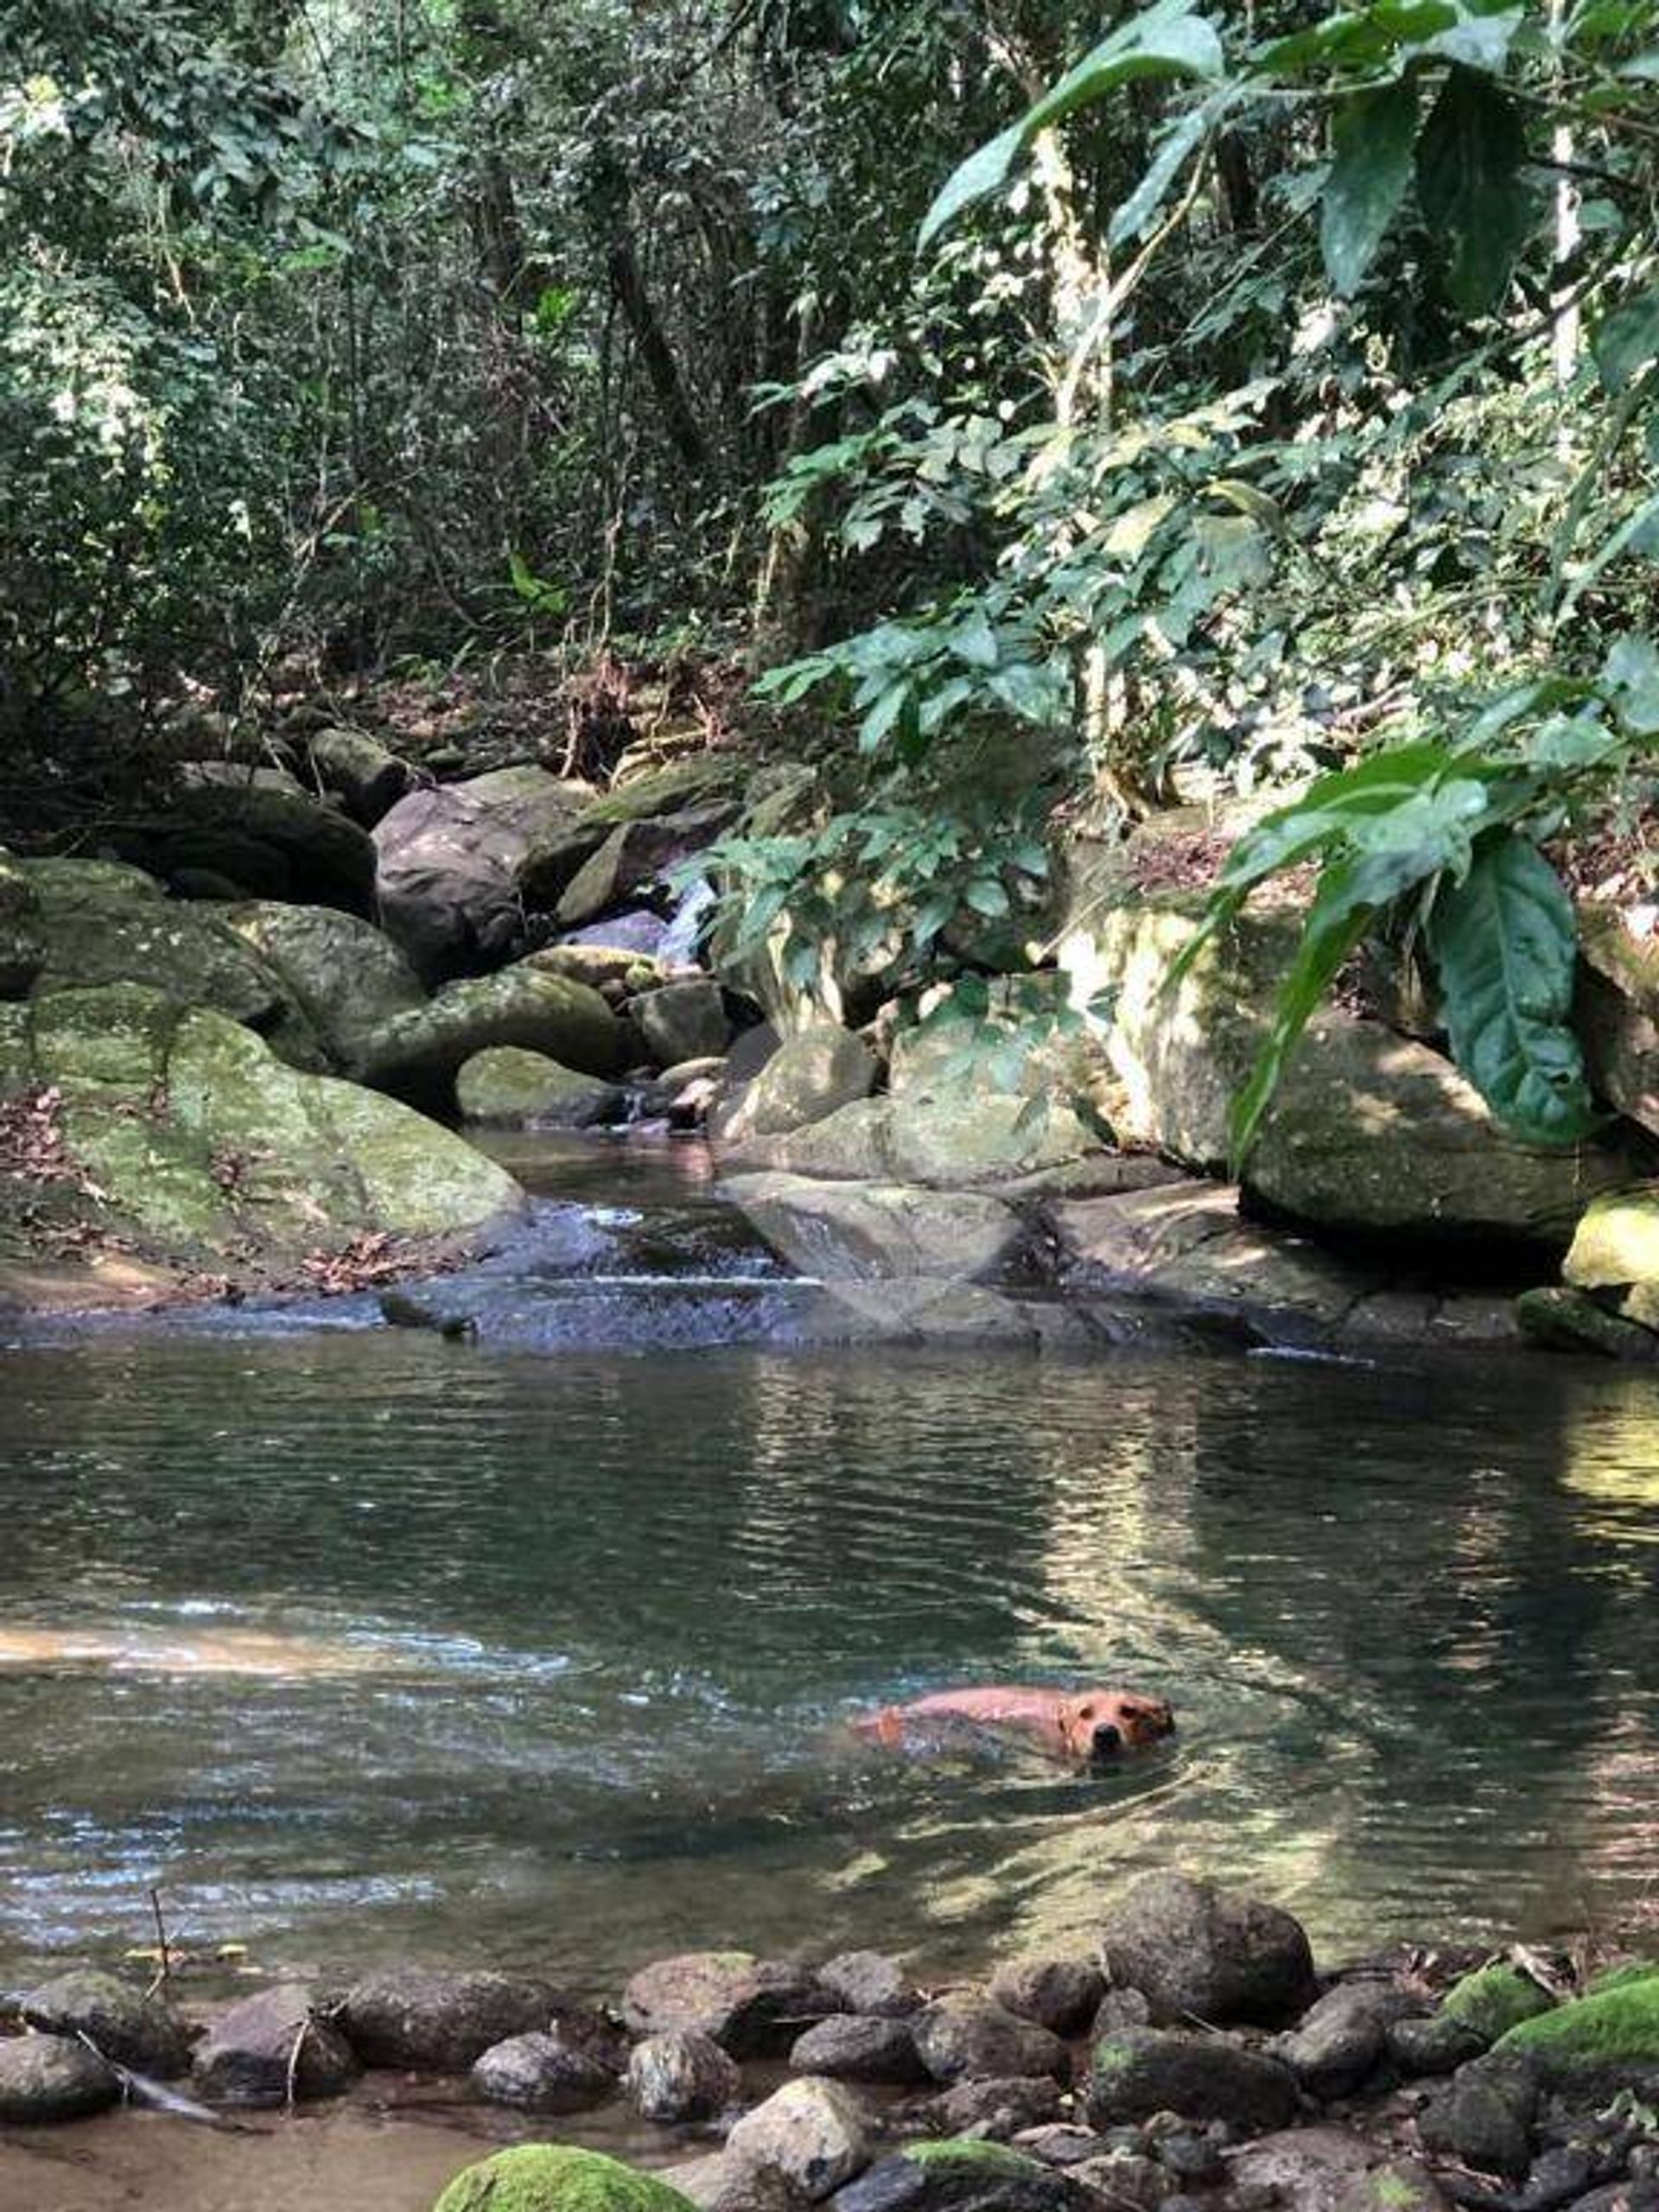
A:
(1087, 1726)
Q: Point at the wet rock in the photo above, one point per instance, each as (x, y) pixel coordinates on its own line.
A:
(448, 861)
(723, 2183)
(751, 2007)
(1211, 1954)
(124, 2025)
(506, 1087)
(1435, 2045)
(998, 2106)
(1060, 1994)
(1136, 2072)
(413, 2017)
(683, 2075)
(869, 1982)
(854, 2047)
(1307, 2170)
(556, 2177)
(366, 778)
(870, 1232)
(1126, 2178)
(962, 2174)
(1494, 2000)
(541, 2072)
(1399, 2185)
(418, 1055)
(811, 2131)
(1571, 1320)
(1341, 2040)
(272, 2049)
(807, 1077)
(1484, 2115)
(965, 2034)
(51, 2077)
(682, 1021)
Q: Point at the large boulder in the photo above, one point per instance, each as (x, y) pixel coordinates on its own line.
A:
(175, 1138)
(1369, 1131)
(1135, 2072)
(682, 1021)
(121, 2021)
(365, 776)
(812, 2132)
(751, 2007)
(507, 1088)
(633, 857)
(343, 976)
(418, 1055)
(855, 1232)
(966, 2034)
(808, 1076)
(274, 2048)
(967, 1139)
(264, 832)
(1207, 1955)
(45, 2078)
(448, 863)
(557, 2177)
(415, 2017)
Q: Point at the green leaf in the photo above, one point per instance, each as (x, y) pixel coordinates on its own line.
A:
(1135, 216)
(1469, 186)
(1373, 139)
(1627, 339)
(986, 896)
(973, 640)
(1167, 39)
(1505, 945)
(1633, 676)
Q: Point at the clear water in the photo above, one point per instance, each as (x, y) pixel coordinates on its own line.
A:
(603, 1590)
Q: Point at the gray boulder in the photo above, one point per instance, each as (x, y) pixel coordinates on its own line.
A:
(273, 2048)
(808, 1075)
(965, 2034)
(1060, 1994)
(124, 2024)
(855, 2047)
(811, 2131)
(264, 831)
(45, 2078)
(723, 2183)
(341, 976)
(413, 2017)
(998, 2106)
(541, 2072)
(1139, 2071)
(1484, 2115)
(1341, 2040)
(1305, 2170)
(869, 1982)
(682, 1021)
(683, 2075)
(751, 2007)
(877, 1231)
(366, 778)
(1206, 1954)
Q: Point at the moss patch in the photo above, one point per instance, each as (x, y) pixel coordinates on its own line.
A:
(970, 2151)
(1622, 1977)
(1493, 2000)
(1617, 2027)
(557, 2177)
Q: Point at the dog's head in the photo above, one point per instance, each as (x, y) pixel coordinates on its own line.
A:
(1099, 1725)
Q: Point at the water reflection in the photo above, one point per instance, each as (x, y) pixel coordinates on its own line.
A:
(1408, 1618)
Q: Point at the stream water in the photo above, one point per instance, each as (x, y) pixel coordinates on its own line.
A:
(591, 1602)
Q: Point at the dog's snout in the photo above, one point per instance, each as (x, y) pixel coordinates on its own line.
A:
(1108, 1740)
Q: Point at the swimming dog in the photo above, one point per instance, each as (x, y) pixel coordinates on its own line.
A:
(1084, 1727)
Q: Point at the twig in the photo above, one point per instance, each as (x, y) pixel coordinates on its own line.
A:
(164, 1971)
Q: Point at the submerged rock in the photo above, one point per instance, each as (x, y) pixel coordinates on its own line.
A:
(683, 2075)
(123, 2022)
(1206, 1954)
(556, 2177)
(45, 2078)
(413, 2017)
(273, 2047)
(811, 2131)
(964, 2033)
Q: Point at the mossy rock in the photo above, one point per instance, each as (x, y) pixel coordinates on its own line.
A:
(970, 2151)
(683, 784)
(1611, 2036)
(342, 975)
(1623, 1977)
(1570, 1320)
(1494, 2000)
(418, 1055)
(557, 2177)
(508, 1088)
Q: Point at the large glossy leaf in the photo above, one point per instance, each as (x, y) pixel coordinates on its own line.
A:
(1505, 945)
(1469, 186)
(1373, 140)
(1167, 39)
(1627, 339)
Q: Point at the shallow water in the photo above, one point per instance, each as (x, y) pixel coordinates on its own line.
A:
(600, 1593)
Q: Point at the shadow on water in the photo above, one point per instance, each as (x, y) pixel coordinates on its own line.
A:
(616, 1599)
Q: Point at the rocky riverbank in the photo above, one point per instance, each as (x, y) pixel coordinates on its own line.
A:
(1197, 2061)
(241, 1046)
